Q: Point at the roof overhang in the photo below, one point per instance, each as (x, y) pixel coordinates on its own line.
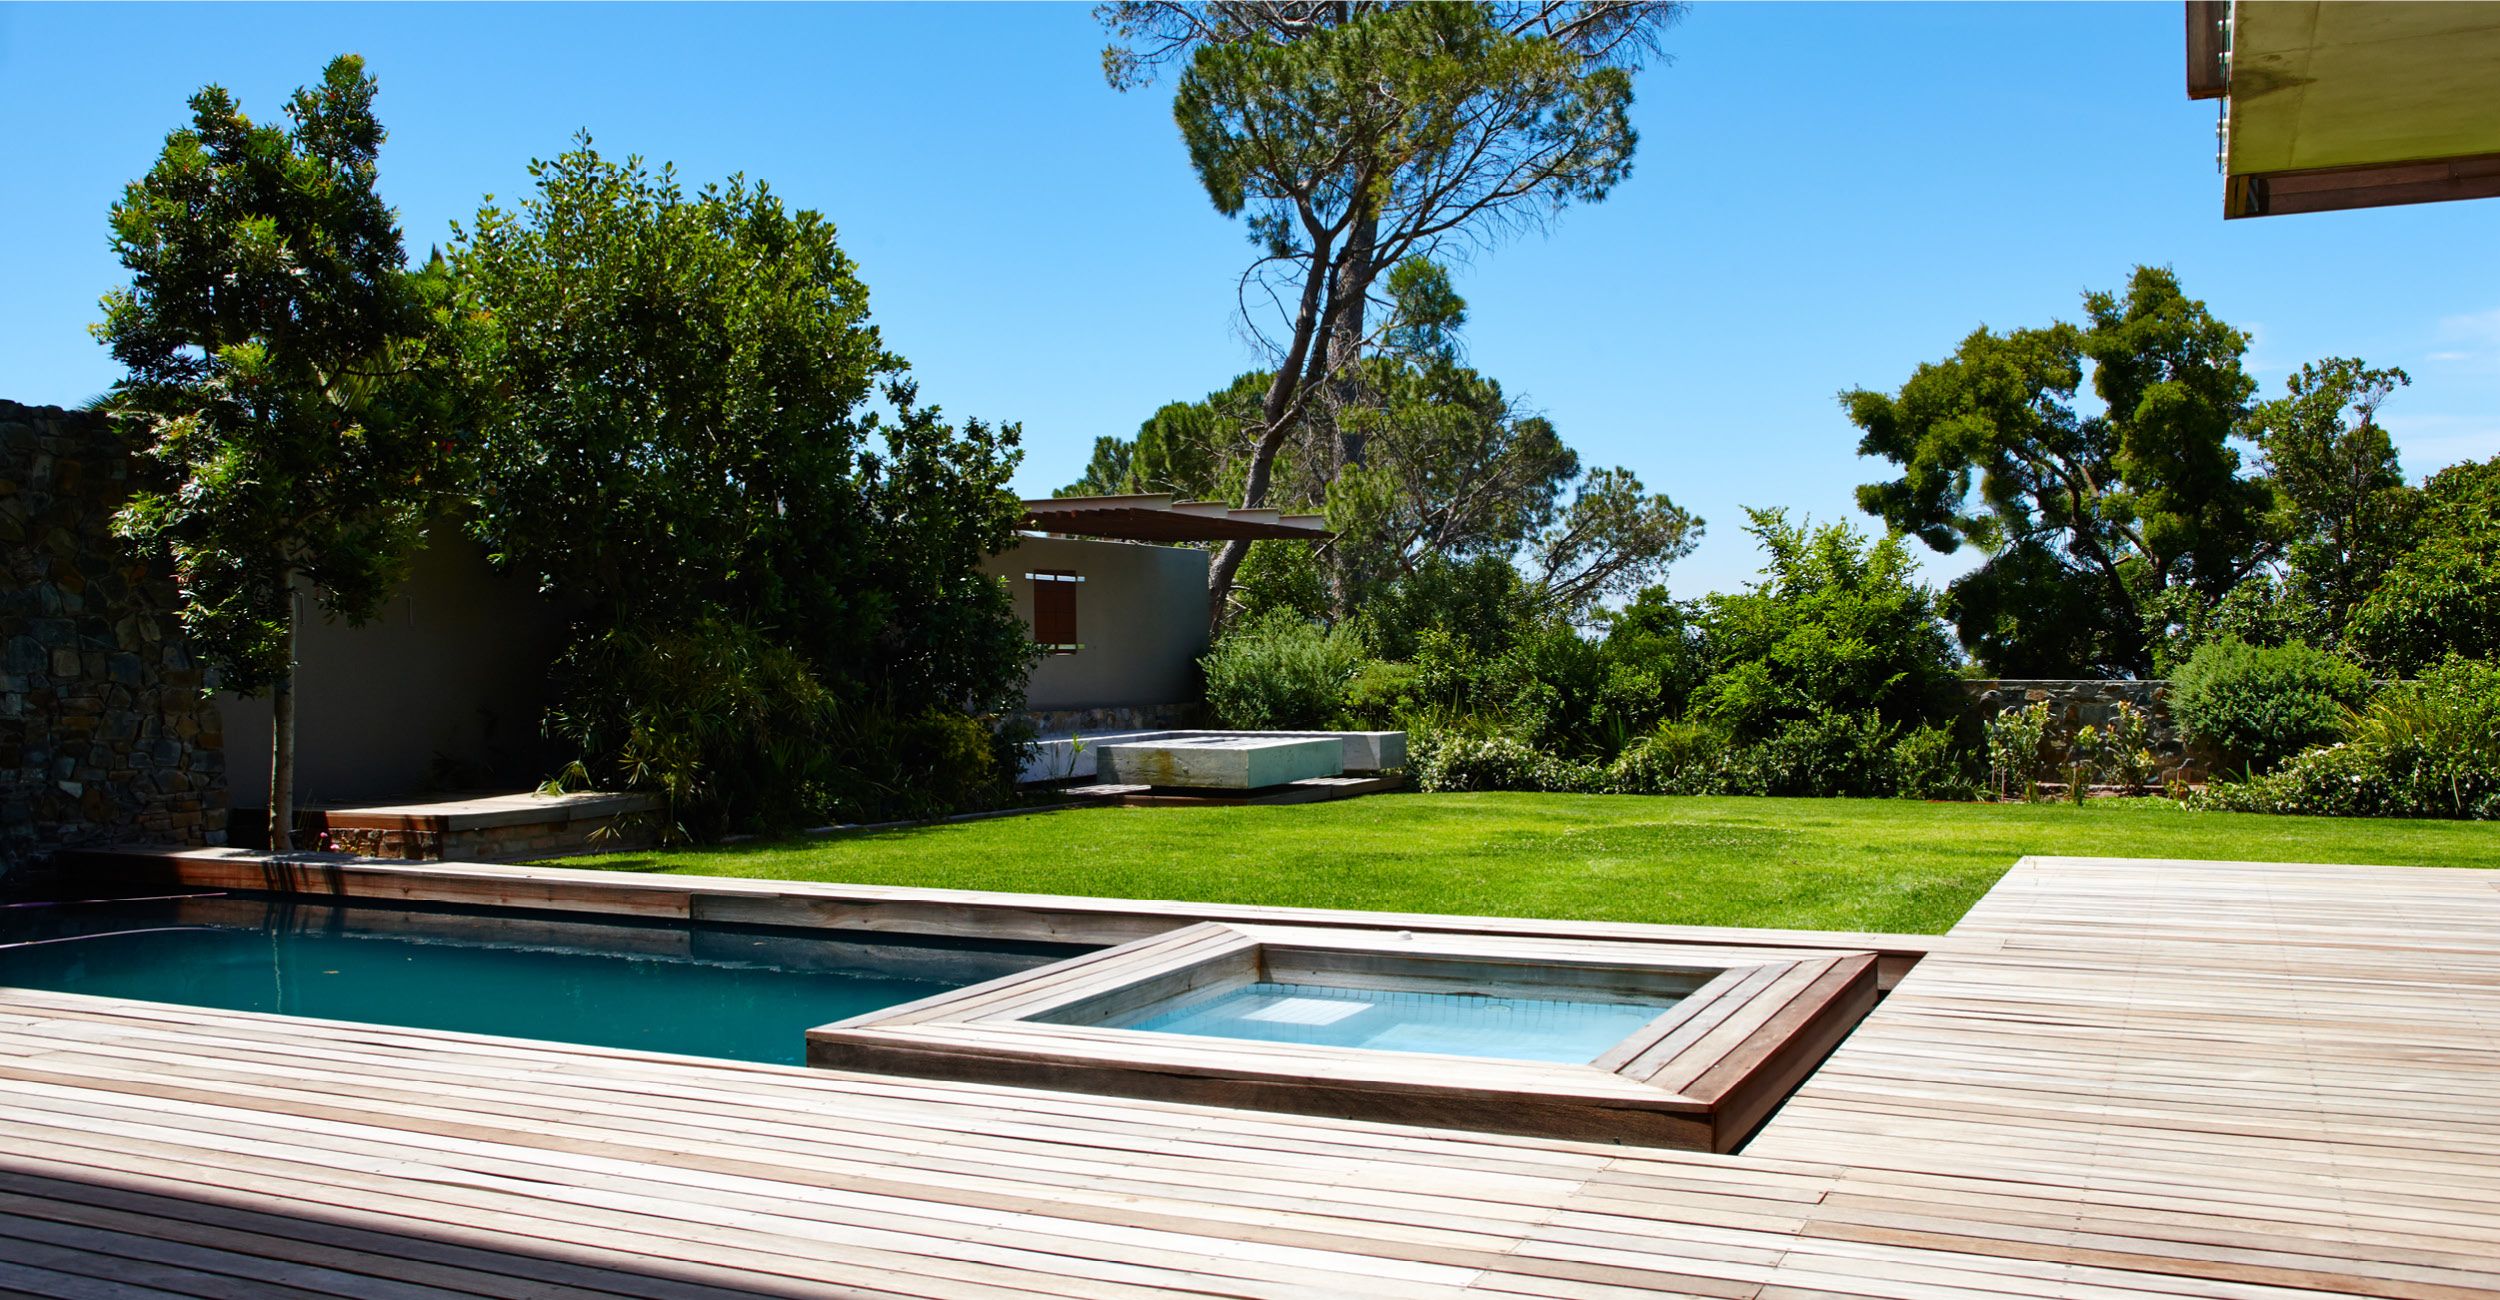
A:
(2334, 104)
(1159, 518)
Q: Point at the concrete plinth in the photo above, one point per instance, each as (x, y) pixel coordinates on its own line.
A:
(1224, 763)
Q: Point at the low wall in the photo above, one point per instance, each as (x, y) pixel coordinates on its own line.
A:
(2077, 704)
(443, 690)
(105, 736)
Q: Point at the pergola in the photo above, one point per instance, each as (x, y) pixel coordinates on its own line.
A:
(2349, 104)
(1160, 518)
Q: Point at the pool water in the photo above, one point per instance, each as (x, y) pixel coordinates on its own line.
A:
(1457, 1024)
(743, 993)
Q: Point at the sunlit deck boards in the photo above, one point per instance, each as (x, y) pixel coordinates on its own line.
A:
(2138, 1079)
(2229, 1071)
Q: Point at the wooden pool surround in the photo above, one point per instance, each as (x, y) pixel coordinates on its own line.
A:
(806, 905)
(2114, 1080)
(1750, 1024)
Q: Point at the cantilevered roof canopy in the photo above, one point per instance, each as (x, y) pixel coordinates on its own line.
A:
(1158, 518)
(2350, 103)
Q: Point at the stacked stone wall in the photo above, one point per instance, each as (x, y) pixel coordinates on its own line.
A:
(105, 735)
(2076, 704)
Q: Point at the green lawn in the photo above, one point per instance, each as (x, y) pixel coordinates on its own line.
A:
(1828, 864)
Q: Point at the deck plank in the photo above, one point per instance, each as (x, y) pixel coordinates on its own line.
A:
(2228, 1081)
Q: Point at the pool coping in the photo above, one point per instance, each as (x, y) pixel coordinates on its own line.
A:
(1751, 1023)
(1049, 918)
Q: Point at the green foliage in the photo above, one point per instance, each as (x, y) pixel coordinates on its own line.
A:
(1830, 677)
(1280, 575)
(1837, 628)
(1501, 763)
(1380, 695)
(2259, 611)
(1363, 143)
(2260, 705)
(2019, 756)
(2345, 506)
(1481, 603)
(2120, 749)
(2441, 597)
(2429, 748)
(1186, 448)
(294, 379)
(1931, 763)
(678, 447)
(1281, 673)
(1449, 467)
(2082, 516)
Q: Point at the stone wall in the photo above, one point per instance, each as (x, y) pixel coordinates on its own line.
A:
(2075, 704)
(104, 734)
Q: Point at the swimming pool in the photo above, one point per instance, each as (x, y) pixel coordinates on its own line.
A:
(745, 993)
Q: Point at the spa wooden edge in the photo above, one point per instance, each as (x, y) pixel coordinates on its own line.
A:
(1049, 918)
(1701, 1077)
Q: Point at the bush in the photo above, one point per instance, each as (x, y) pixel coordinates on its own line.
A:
(1500, 763)
(2018, 749)
(1281, 673)
(2258, 706)
(1838, 627)
(1482, 603)
(733, 732)
(1929, 764)
(2422, 749)
(2442, 597)
(1379, 696)
(1820, 756)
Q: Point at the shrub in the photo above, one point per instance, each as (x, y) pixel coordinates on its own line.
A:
(2018, 750)
(2442, 596)
(1676, 758)
(2258, 706)
(1482, 603)
(1820, 756)
(2422, 749)
(1551, 685)
(1838, 627)
(1500, 763)
(1927, 763)
(1379, 695)
(1281, 673)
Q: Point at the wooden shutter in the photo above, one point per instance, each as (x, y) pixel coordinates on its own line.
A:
(1054, 610)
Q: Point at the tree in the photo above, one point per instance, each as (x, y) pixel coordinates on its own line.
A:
(1356, 136)
(681, 447)
(1838, 626)
(291, 373)
(2441, 596)
(2085, 518)
(2347, 509)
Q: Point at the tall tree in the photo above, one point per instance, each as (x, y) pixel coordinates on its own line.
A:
(681, 445)
(2085, 518)
(1356, 135)
(292, 374)
(2347, 507)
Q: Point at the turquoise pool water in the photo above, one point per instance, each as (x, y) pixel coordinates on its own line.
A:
(1457, 1024)
(744, 993)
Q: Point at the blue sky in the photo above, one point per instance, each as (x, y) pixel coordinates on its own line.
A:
(1824, 197)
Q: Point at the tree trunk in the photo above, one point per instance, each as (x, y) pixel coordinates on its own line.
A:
(1279, 413)
(282, 737)
(1352, 284)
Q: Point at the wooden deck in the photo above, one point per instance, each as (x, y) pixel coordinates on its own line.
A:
(2122, 1079)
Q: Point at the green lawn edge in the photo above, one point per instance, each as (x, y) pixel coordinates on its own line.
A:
(1815, 864)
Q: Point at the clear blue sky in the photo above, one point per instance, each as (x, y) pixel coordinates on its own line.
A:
(1825, 196)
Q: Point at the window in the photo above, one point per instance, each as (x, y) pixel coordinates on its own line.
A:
(1054, 610)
